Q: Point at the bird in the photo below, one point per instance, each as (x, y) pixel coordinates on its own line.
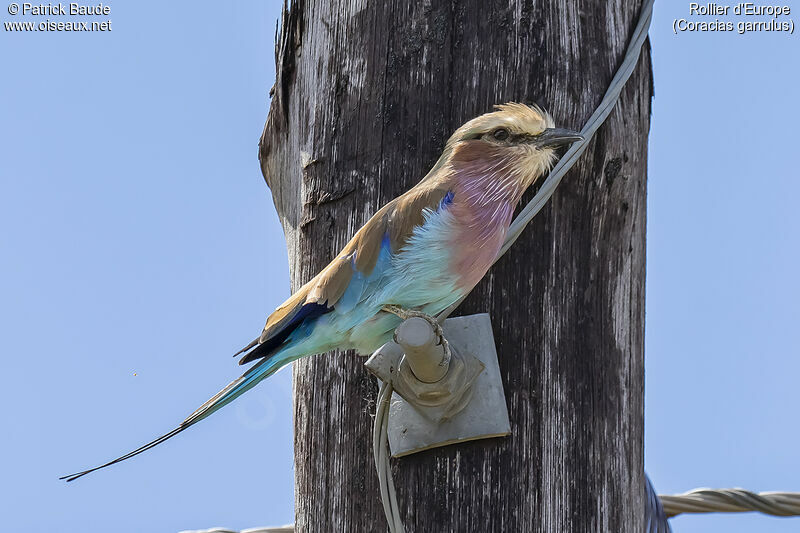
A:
(417, 255)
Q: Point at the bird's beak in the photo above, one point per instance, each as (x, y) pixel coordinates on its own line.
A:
(554, 137)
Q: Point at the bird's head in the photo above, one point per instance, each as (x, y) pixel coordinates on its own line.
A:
(515, 142)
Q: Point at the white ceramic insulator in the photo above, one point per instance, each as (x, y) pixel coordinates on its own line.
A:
(424, 353)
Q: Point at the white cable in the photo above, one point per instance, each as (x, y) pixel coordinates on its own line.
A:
(380, 450)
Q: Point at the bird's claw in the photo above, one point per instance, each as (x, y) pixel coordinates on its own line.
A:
(405, 314)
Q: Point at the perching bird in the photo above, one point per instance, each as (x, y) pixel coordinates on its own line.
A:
(421, 252)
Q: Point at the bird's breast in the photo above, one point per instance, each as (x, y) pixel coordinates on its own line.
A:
(477, 237)
(450, 252)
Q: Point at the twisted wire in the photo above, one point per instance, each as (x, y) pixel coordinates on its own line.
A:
(732, 501)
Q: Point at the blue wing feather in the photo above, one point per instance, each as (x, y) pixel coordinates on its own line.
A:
(308, 312)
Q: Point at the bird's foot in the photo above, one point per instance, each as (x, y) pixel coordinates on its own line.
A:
(405, 314)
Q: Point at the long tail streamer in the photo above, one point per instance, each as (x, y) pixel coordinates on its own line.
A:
(233, 390)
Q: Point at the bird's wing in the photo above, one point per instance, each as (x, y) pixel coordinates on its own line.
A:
(395, 221)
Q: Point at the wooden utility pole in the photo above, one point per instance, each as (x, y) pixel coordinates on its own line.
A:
(366, 95)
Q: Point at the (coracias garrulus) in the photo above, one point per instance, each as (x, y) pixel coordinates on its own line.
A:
(422, 251)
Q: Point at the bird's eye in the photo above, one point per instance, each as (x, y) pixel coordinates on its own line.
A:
(501, 134)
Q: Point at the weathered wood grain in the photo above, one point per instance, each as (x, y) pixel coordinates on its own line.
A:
(365, 96)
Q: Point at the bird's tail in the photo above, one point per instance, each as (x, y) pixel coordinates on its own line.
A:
(236, 388)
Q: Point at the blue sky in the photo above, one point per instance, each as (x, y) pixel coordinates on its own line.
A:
(140, 248)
